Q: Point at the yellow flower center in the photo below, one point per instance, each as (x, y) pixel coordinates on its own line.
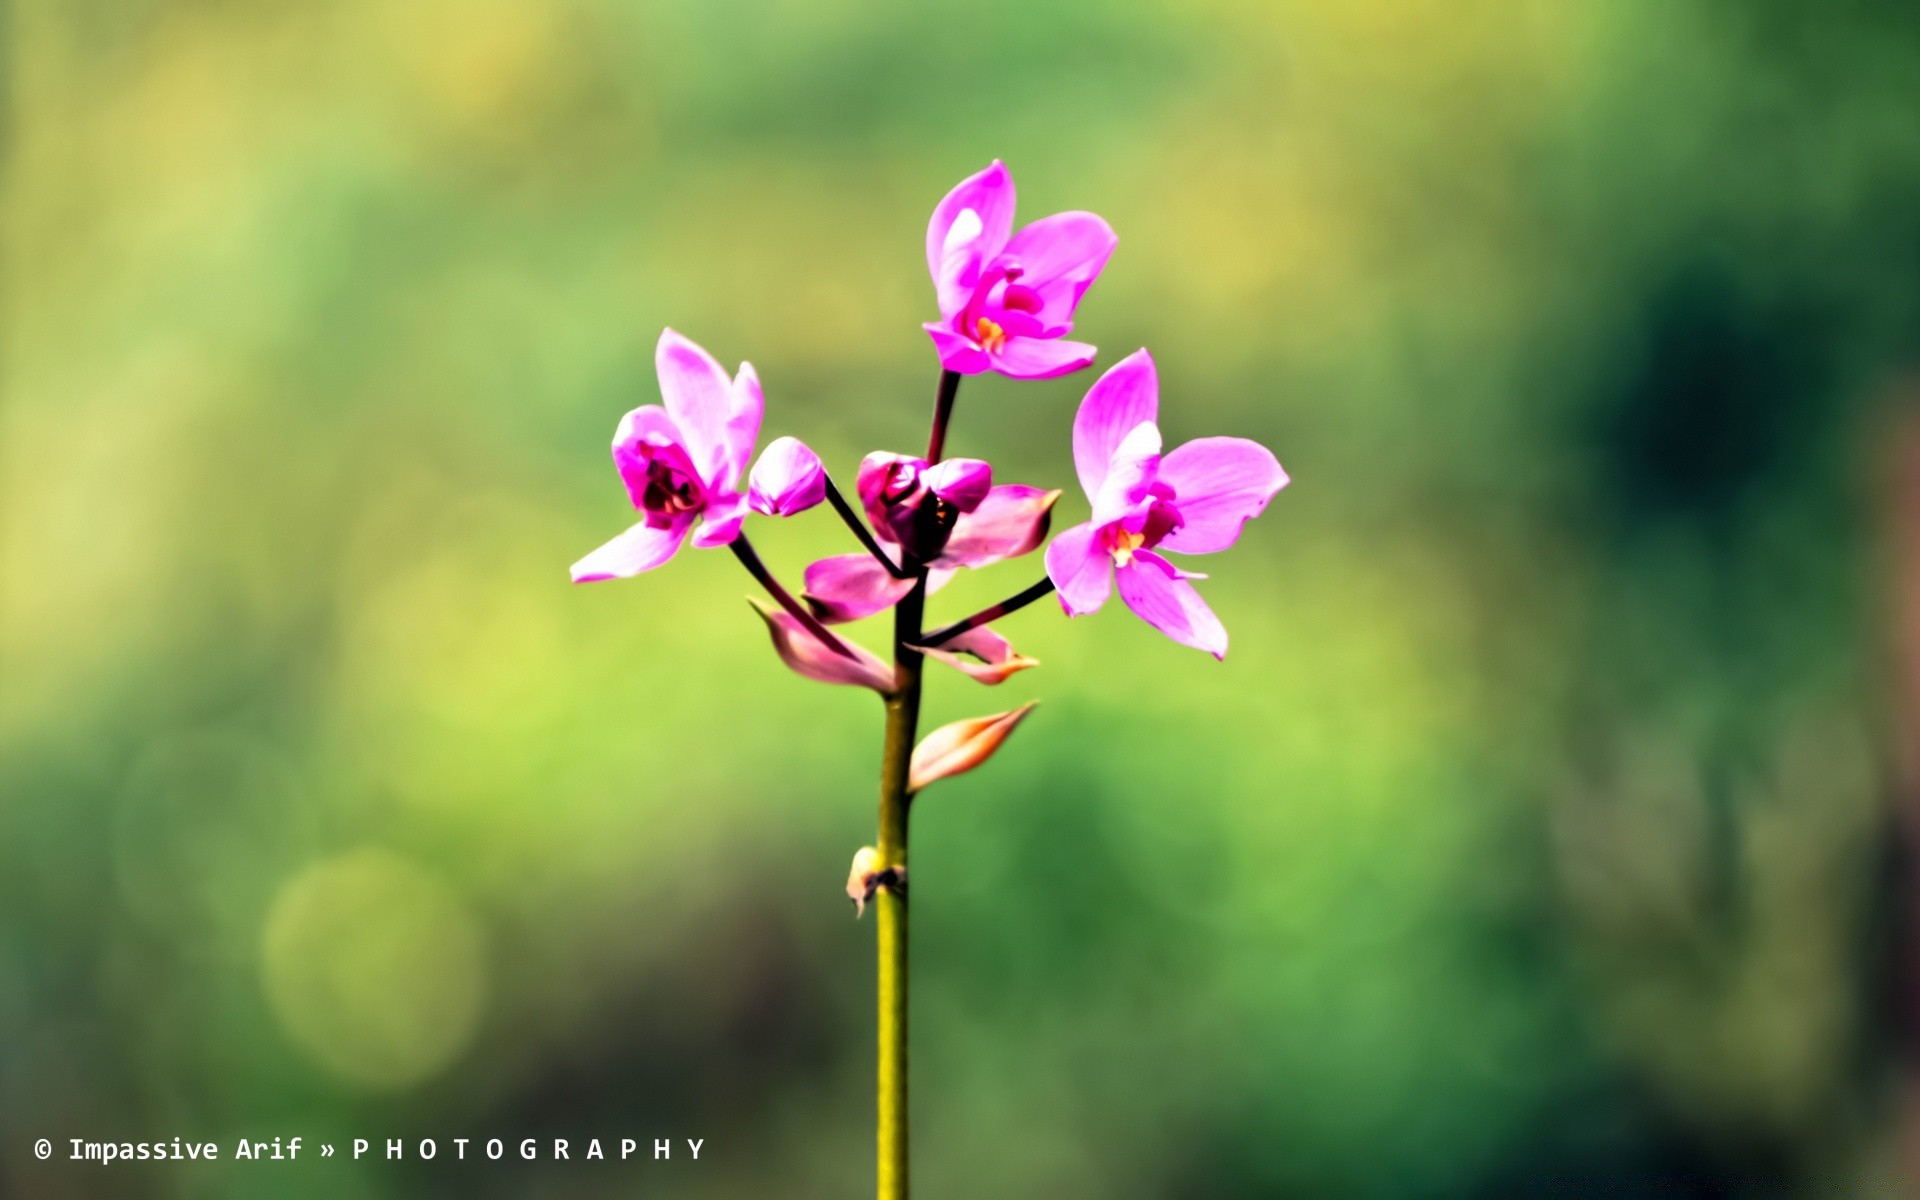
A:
(989, 334)
(1123, 544)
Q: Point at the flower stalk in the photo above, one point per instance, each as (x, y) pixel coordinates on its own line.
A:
(890, 903)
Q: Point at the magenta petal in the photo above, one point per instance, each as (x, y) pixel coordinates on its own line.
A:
(1158, 594)
(1219, 484)
(957, 353)
(1118, 402)
(1059, 257)
(1079, 569)
(848, 587)
(968, 227)
(1035, 358)
(1011, 521)
(982, 654)
(745, 406)
(648, 423)
(1130, 475)
(720, 522)
(809, 656)
(640, 548)
(699, 398)
(961, 482)
(787, 480)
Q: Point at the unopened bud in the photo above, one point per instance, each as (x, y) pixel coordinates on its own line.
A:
(869, 876)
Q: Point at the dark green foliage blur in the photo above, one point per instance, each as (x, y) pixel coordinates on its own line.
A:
(1541, 834)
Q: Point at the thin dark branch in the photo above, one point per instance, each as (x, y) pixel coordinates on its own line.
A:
(860, 531)
(942, 413)
(1013, 603)
(743, 550)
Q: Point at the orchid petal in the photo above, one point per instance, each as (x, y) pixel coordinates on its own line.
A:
(1159, 594)
(1037, 358)
(1060, 256)
(699, 398)
(1117, 403)
(1130, 474)
(1219, 484)
(720, 522)
(641, 548)
(787, 480)
(1011, 521)
(745, 407)
(981, 653)
(871, 481)
(957, 244)
(960, 747)
(649, 424)
(956, 353)
(961, 482)
(848, 587)
(811, 657)
(1079, 570)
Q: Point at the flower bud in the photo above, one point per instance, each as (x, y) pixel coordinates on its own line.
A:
(960, 747)
(869, 876)
(915, 505)
(787, 480)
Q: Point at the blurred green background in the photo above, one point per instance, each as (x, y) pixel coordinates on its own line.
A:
(1541, 835)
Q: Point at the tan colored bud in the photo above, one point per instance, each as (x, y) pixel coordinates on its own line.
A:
(960, 747)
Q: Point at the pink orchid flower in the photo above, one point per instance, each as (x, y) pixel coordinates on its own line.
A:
(680, 463)
(1193, 500)
(1007, 299)
(946, 516)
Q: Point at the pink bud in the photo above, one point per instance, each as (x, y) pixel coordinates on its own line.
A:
(787, 480)
(961, 482)
(960, 747)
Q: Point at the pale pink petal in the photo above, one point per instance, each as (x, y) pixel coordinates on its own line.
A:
(848, 587)
(969, 226)
(745, 406)
(640, 548)
(981, 653)
(1038, 358)
(720, 521)
(960, 747)
(1080, 570)
(957, 353)
(1159, 595)
(961, 482)
(1117, 403)
(1059, 257)
(809, 656)
(1130, 475)
(699, 398)
(1011, 521)
(648, 423)
(787, 480)
(1219, 484)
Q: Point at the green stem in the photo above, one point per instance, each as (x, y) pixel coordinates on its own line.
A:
(890, 904)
